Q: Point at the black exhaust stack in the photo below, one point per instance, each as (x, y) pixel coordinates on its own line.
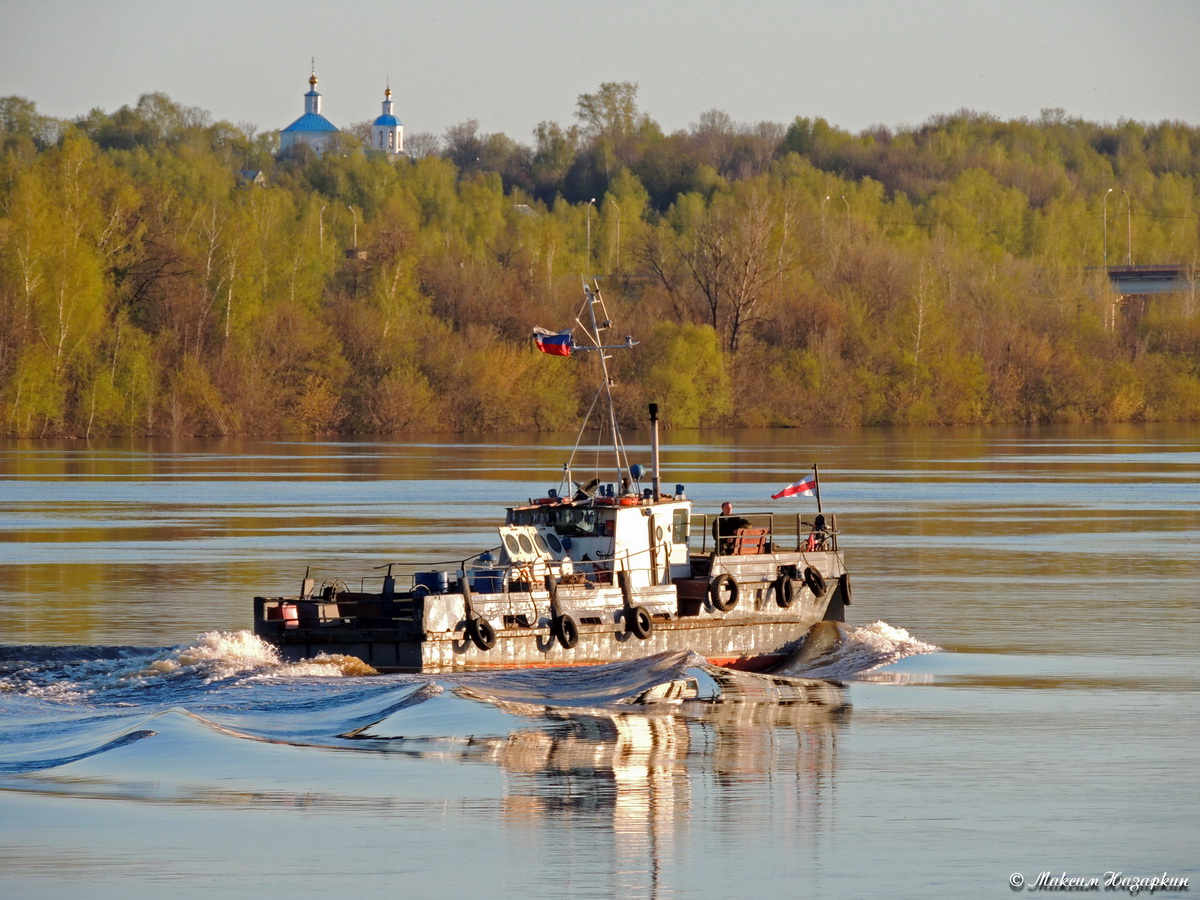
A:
(656, 482)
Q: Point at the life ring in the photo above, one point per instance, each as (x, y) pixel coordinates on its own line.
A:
(719, 584)
(629, 501)
(785, 591)
(638, 621)
(546, 501)
(563, 628)
(481, 633)
(815, 581)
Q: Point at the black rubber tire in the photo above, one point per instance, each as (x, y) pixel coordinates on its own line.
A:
(785, 591)
(815, 581)
(720, 583)
(844, 584)
(565, 631)
(481, 633)
(638, 621)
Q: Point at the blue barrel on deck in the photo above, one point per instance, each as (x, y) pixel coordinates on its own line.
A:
(489, 581)
(433, 582)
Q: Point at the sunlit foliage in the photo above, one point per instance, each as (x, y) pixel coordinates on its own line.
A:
(162, 273)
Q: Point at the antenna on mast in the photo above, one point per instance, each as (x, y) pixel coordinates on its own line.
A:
(594, 299)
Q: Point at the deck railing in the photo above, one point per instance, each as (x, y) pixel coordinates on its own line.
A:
(762, 530)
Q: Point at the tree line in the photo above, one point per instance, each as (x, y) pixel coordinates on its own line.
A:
(162, 273)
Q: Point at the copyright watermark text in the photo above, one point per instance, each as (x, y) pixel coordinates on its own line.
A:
(1109, 881)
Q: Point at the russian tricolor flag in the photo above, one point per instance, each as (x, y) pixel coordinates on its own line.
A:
(555, 343)
(804, 487)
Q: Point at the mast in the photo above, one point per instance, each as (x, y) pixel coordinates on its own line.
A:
(592, 292)
(595, 325)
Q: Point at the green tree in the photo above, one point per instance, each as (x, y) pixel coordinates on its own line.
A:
(611, 111)
(682, 368)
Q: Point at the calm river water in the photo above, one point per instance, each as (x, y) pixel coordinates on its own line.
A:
(1015, 699)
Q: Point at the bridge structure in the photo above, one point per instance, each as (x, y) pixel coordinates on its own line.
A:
(1132, 286)
(1139, 280)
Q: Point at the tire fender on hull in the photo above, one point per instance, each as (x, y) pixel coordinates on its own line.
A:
(638, 621)
(716, 592)
(481, 633)
(565, 630)
(815, 581)
(785, 590)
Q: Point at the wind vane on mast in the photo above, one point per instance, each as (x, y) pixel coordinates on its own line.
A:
(562, 343)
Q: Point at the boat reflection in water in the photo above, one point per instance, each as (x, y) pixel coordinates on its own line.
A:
(614, 780)
(705, 746)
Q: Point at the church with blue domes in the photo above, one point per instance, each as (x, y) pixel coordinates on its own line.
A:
(314, 130)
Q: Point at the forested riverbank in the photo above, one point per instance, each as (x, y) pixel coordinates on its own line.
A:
(162, 273)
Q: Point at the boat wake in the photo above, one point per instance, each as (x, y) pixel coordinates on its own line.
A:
(834, 650)
(119, 718)
(76, 674)
(88, 674)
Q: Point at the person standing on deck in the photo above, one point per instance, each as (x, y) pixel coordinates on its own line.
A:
(724, 528)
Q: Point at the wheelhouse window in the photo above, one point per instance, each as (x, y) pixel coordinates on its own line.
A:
(566, 521)
(680, 526)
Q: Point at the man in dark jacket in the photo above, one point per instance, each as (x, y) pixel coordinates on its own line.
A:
(725, 527)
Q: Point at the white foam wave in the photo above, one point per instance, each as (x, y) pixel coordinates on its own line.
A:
(862, 649)
(57, 692)
(215, 655)
(324, 665)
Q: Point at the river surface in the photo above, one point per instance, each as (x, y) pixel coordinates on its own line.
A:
(1014, 699)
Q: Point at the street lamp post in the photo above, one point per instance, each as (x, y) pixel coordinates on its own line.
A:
(614, 203)
(591, 203)
(1128, 231)
(1104, 212)
(823, 202)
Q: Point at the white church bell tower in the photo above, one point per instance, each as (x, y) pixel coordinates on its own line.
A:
(387, 132)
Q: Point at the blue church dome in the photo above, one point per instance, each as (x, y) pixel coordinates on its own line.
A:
(312, 128)
(312, 122)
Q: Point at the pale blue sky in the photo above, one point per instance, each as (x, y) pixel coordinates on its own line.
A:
(512, 64)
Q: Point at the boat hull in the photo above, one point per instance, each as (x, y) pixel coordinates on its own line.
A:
(430, 634)
(753, 645)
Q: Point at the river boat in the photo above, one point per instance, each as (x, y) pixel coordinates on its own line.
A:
(590, 573)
